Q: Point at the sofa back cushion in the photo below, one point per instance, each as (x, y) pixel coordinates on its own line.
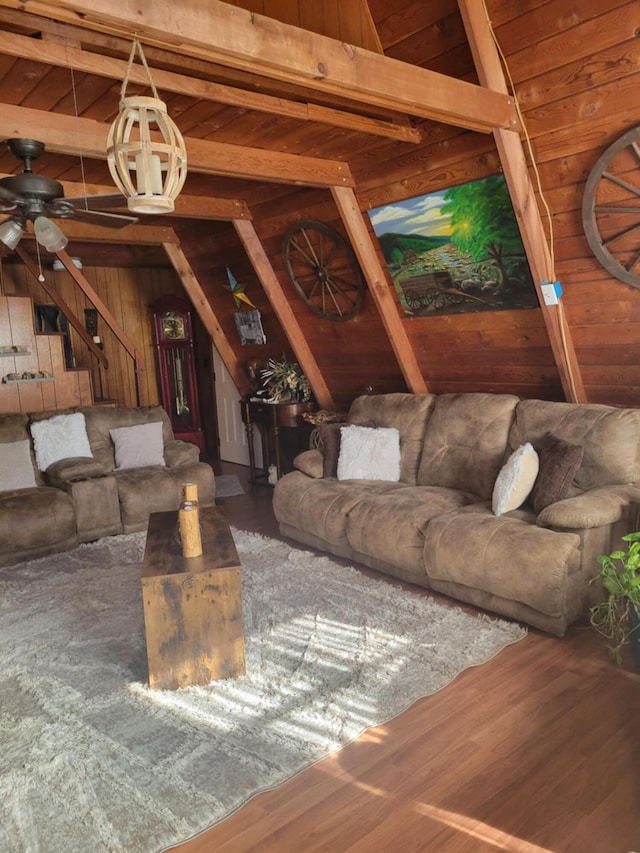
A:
(610, 438)
(100, 420)
(408, 413)
(15, 427)
(465, 442)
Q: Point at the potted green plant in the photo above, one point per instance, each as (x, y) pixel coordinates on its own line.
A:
(286, 382)
(617, 617)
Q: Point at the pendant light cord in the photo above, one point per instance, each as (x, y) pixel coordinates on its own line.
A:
(137, 46)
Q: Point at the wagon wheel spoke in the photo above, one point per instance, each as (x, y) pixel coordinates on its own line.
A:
(610, 211)
(323, 269)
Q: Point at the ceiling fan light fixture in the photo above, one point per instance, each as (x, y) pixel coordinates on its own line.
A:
(49, 235)
(10, 233)
(146, 153)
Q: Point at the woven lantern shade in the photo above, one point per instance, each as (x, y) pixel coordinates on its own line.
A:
(145, 150)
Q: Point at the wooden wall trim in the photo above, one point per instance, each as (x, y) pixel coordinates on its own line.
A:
(374, 274)
(514, 164)
(262, 266)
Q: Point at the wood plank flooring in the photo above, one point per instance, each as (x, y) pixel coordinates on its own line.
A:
(535, 751)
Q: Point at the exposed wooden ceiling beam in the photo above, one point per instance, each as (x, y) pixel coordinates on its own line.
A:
(64, 56)
(67, 134)
(186, 206)
(218, 32)
(132, 235)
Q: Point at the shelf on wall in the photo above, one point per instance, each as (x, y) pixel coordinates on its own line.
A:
(13, 353)
(6, 381)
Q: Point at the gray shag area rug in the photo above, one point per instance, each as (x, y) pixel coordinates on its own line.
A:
(228, 485)
(92, 759)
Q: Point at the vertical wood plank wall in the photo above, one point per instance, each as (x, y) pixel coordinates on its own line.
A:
(129, 294)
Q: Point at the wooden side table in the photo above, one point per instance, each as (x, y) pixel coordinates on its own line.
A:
(192, 606)
(269, 418)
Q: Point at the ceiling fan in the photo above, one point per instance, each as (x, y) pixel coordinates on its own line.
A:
(38, 199)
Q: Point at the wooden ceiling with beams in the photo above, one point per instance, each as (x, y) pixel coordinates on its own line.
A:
(262, 134)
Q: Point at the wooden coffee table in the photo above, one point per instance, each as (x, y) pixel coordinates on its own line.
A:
(192, 606)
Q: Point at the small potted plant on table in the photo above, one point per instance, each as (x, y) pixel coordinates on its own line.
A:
(617, 617)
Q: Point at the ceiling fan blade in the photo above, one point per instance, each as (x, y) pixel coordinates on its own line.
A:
(108, 220)
(8, 199)
(98, 202)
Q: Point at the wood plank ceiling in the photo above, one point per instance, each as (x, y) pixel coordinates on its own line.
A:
(50, 67)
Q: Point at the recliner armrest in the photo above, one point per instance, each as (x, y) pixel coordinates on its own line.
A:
(178, 453)
(74, 468)
(595, 508)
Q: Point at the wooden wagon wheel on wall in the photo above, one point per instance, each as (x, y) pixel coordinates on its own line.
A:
(324, 270)
(611, 208)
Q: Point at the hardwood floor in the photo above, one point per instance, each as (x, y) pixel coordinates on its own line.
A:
(536, 750)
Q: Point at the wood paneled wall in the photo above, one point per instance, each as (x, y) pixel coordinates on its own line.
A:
(128, 293)
(576, 72)
(43, 353)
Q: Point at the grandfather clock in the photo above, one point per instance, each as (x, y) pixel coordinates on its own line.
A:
(176, 366)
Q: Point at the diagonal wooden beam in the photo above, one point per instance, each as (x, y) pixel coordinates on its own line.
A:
(55, 297)
(285, 315)
(228, 35)
(207, 314)
(66, 134)
(514, 164)
(168, 81)
(109, 319)
(374, 274)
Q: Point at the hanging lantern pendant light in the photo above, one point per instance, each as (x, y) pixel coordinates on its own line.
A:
(146, 153)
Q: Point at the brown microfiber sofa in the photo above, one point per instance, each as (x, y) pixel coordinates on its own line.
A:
(82, 499)
(436, 528)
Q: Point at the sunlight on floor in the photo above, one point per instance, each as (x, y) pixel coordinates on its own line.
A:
(482, 831)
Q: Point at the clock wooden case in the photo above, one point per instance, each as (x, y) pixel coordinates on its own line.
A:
(176, 367)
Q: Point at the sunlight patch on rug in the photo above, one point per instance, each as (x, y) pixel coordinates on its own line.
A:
(92, 759)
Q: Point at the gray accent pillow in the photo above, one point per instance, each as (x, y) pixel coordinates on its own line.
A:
(138, 446)
(16, 468)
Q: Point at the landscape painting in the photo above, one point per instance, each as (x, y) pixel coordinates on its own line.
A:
(456, 250)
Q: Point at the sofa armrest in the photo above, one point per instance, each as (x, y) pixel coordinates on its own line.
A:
(75, 468)
(310, 463)
(595, 508)
(178, 453)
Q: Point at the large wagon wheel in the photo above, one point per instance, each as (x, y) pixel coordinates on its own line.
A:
(611, 208)
(324, 270)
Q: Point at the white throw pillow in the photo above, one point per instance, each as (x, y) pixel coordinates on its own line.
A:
(516, 479)
(369, 454)
(138, 446)
(16, 467)
(60, 437)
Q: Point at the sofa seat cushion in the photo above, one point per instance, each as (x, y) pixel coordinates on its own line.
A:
(35, 522)
(321, 507)
(142, 491)
(391, 526)
(503, 557)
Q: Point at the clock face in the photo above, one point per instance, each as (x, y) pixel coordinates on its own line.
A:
(172, 325)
